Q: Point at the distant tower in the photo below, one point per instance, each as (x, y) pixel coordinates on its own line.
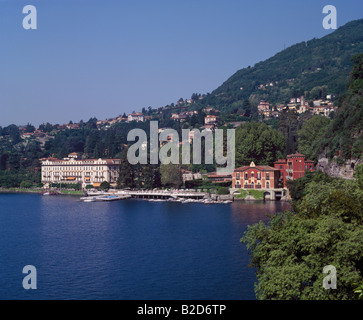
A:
(302, 101)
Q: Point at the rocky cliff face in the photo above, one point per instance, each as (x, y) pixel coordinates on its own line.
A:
(333, 169)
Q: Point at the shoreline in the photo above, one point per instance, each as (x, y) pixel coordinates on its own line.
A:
(38, 191)
(81, 193)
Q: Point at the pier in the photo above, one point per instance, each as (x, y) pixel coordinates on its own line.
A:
(160, 194)
(146, 194)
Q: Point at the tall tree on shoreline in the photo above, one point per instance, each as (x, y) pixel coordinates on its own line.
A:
(171, 175)
(126, 173)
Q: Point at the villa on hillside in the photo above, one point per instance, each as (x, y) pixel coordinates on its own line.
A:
(293, 167)
(266, 177)
(211, 120)
(138, 116)
(255, 177)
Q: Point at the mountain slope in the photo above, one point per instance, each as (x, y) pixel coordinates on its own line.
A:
(345, 135)
(313, 68)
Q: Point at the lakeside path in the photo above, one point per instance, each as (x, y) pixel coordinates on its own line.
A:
(38, 191)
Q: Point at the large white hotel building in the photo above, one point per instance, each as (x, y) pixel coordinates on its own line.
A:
(83, 171)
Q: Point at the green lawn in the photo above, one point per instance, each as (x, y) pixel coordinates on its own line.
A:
(243, 194)
(257, 194)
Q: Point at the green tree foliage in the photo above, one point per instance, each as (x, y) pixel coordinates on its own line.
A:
(310, 135)
(344, 135)
(223, 190)
(259, 143)
(359, 291)
(148, 177)
(312, 68)
(171, 175)
(105, 186)
(126, 173)
(288, 125)
(326, 228)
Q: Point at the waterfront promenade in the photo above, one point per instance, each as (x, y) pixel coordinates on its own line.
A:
(156, 194)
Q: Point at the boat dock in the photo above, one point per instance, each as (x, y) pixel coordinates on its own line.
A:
(164, 194)
(99, 198)
(152, 195)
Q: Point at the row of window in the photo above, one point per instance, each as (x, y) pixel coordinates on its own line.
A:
(252, 186)
(100, 179)
(267, 176)
(66, 168)
(310, 167)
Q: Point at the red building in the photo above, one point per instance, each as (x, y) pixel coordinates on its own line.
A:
(293, 167)
(255, 177)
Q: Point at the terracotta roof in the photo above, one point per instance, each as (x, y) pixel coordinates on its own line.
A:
(295, 155)
(260, 168)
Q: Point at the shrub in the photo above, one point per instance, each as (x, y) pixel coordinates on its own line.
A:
(222, 190)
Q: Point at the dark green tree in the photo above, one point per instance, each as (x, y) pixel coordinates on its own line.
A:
(126, 173)
(259, 143)
(171, 175)
(291, 250)
(105, 186)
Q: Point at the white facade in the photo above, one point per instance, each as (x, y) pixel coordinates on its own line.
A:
(85, 172)
(135, 117)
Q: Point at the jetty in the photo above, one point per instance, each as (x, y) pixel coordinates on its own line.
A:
(166, 194)
(176, 195)
(105, 197)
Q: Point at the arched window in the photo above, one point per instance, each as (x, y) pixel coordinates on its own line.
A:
(268, 185)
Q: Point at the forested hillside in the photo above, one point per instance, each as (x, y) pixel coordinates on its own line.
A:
(313, 68)
(344, 137)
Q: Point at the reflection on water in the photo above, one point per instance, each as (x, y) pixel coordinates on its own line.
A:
(253, 211)
(130, 249)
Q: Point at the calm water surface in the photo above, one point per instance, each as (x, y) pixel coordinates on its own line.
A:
(129, 249)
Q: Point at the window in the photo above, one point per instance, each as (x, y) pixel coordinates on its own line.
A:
(252, 174)
(246, 176)
(238, 176)
(267, 176)
(268, 185)
(258, 175)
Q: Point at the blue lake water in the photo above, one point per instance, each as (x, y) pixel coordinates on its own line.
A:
(130, 249)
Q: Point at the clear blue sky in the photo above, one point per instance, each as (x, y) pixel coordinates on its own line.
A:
(103, 58)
